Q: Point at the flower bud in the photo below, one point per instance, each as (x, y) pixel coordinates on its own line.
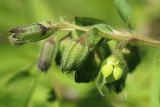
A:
(113, 60)
(107, 70)
(46, 55)
(117, 73)
(113, 74)
(32, 33)
(61, 47)
(112, 68)
(74, 55)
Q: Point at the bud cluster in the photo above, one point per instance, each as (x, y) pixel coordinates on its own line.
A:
(86, 53)
(112, 67)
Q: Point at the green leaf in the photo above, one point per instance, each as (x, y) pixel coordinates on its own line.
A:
(124, 10)
(101, 81)
(87, 21)
(103, 27)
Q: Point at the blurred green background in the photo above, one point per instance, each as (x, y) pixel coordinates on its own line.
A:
(21, 85)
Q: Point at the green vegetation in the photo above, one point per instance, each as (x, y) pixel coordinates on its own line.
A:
(78, 51)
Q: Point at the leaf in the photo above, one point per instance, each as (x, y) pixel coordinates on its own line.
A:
(87, 21)
(103, 27)
(124, 10)
(101, 81)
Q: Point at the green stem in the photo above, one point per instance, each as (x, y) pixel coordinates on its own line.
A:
(134, 39)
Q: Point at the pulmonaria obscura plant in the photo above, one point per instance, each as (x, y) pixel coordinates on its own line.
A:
(82, 47)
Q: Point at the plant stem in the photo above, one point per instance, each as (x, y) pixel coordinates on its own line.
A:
(134, 39)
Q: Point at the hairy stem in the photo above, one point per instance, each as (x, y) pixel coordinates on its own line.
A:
(134, 39)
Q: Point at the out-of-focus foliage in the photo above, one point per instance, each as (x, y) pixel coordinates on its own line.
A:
(21, 85)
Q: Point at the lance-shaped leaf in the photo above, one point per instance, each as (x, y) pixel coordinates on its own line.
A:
(46, 55)
(124, 10)
(87, 21)
(31, 33)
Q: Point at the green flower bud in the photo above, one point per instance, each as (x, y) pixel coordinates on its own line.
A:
(112, 60)
(74, 55)
(116, 82)
(117, 73)
(32, 33)
(62, 45)
(107, 70)
(113, 69)
(46, 55)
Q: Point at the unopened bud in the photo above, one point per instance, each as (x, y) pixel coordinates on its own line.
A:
(107, 70)
(74, 55)
(32, 33)
(46, 55)
(114, 66)
(117, 73)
